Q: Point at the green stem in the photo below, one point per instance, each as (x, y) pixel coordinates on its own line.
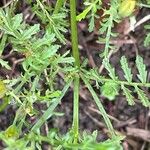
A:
(75, 125)
(100, 106)
(58, 6)
(120, 82)
(74, 39)
(74, 34)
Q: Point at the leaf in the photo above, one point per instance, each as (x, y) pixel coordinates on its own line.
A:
(84, 13)
(142, 96)
(147, 40)
(3, 89)
(109, 69)
(68, 60)
(16, 21)
(147, 26)
(54, 94)
(47, 39)
(91, 24)
(128, 95)
(12, 132)
(5, 102)
(31, 31)
(49, 52)
(127, 71)
(148, 2)
(5, 64)
(2, 43)
(110, 90)
(59, 35)
(49, 112)
(141, 69)
(4, 19)
(65, 59)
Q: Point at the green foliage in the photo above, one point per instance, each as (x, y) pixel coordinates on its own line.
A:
(127, 71)
(4, 64)
(2, 46)
(32, 141)
(42, 65)
(147, 39)
(55, 22)
(3, 89)
(110, 87)
(110, 90)
(12, 132)
(142, 96)
(128, 95)
(110, 69)
(107, 25)
(142, 69)
(148, 2)
(92, 8)
(41, 62)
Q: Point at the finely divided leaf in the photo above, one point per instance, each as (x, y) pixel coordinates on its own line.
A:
(16, 21)
(58, 34)
(110, 69)
(91, 24)
(3, 89)
(49, 52)
(127, 71)
(4, 64)
(110, 90)
(31, 31)
(84, 13)
(141, 69)
(147, 40)
(46, 40)
(2, 43)
(142, 96)
(67, 60)
(128, 95)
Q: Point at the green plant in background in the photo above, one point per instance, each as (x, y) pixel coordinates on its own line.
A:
(42, 63)
(147, 39)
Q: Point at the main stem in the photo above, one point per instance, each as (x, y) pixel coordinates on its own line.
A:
(75, 50)
(74, 34)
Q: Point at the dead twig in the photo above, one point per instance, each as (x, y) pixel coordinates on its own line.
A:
(100, 124)
(139, 133)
